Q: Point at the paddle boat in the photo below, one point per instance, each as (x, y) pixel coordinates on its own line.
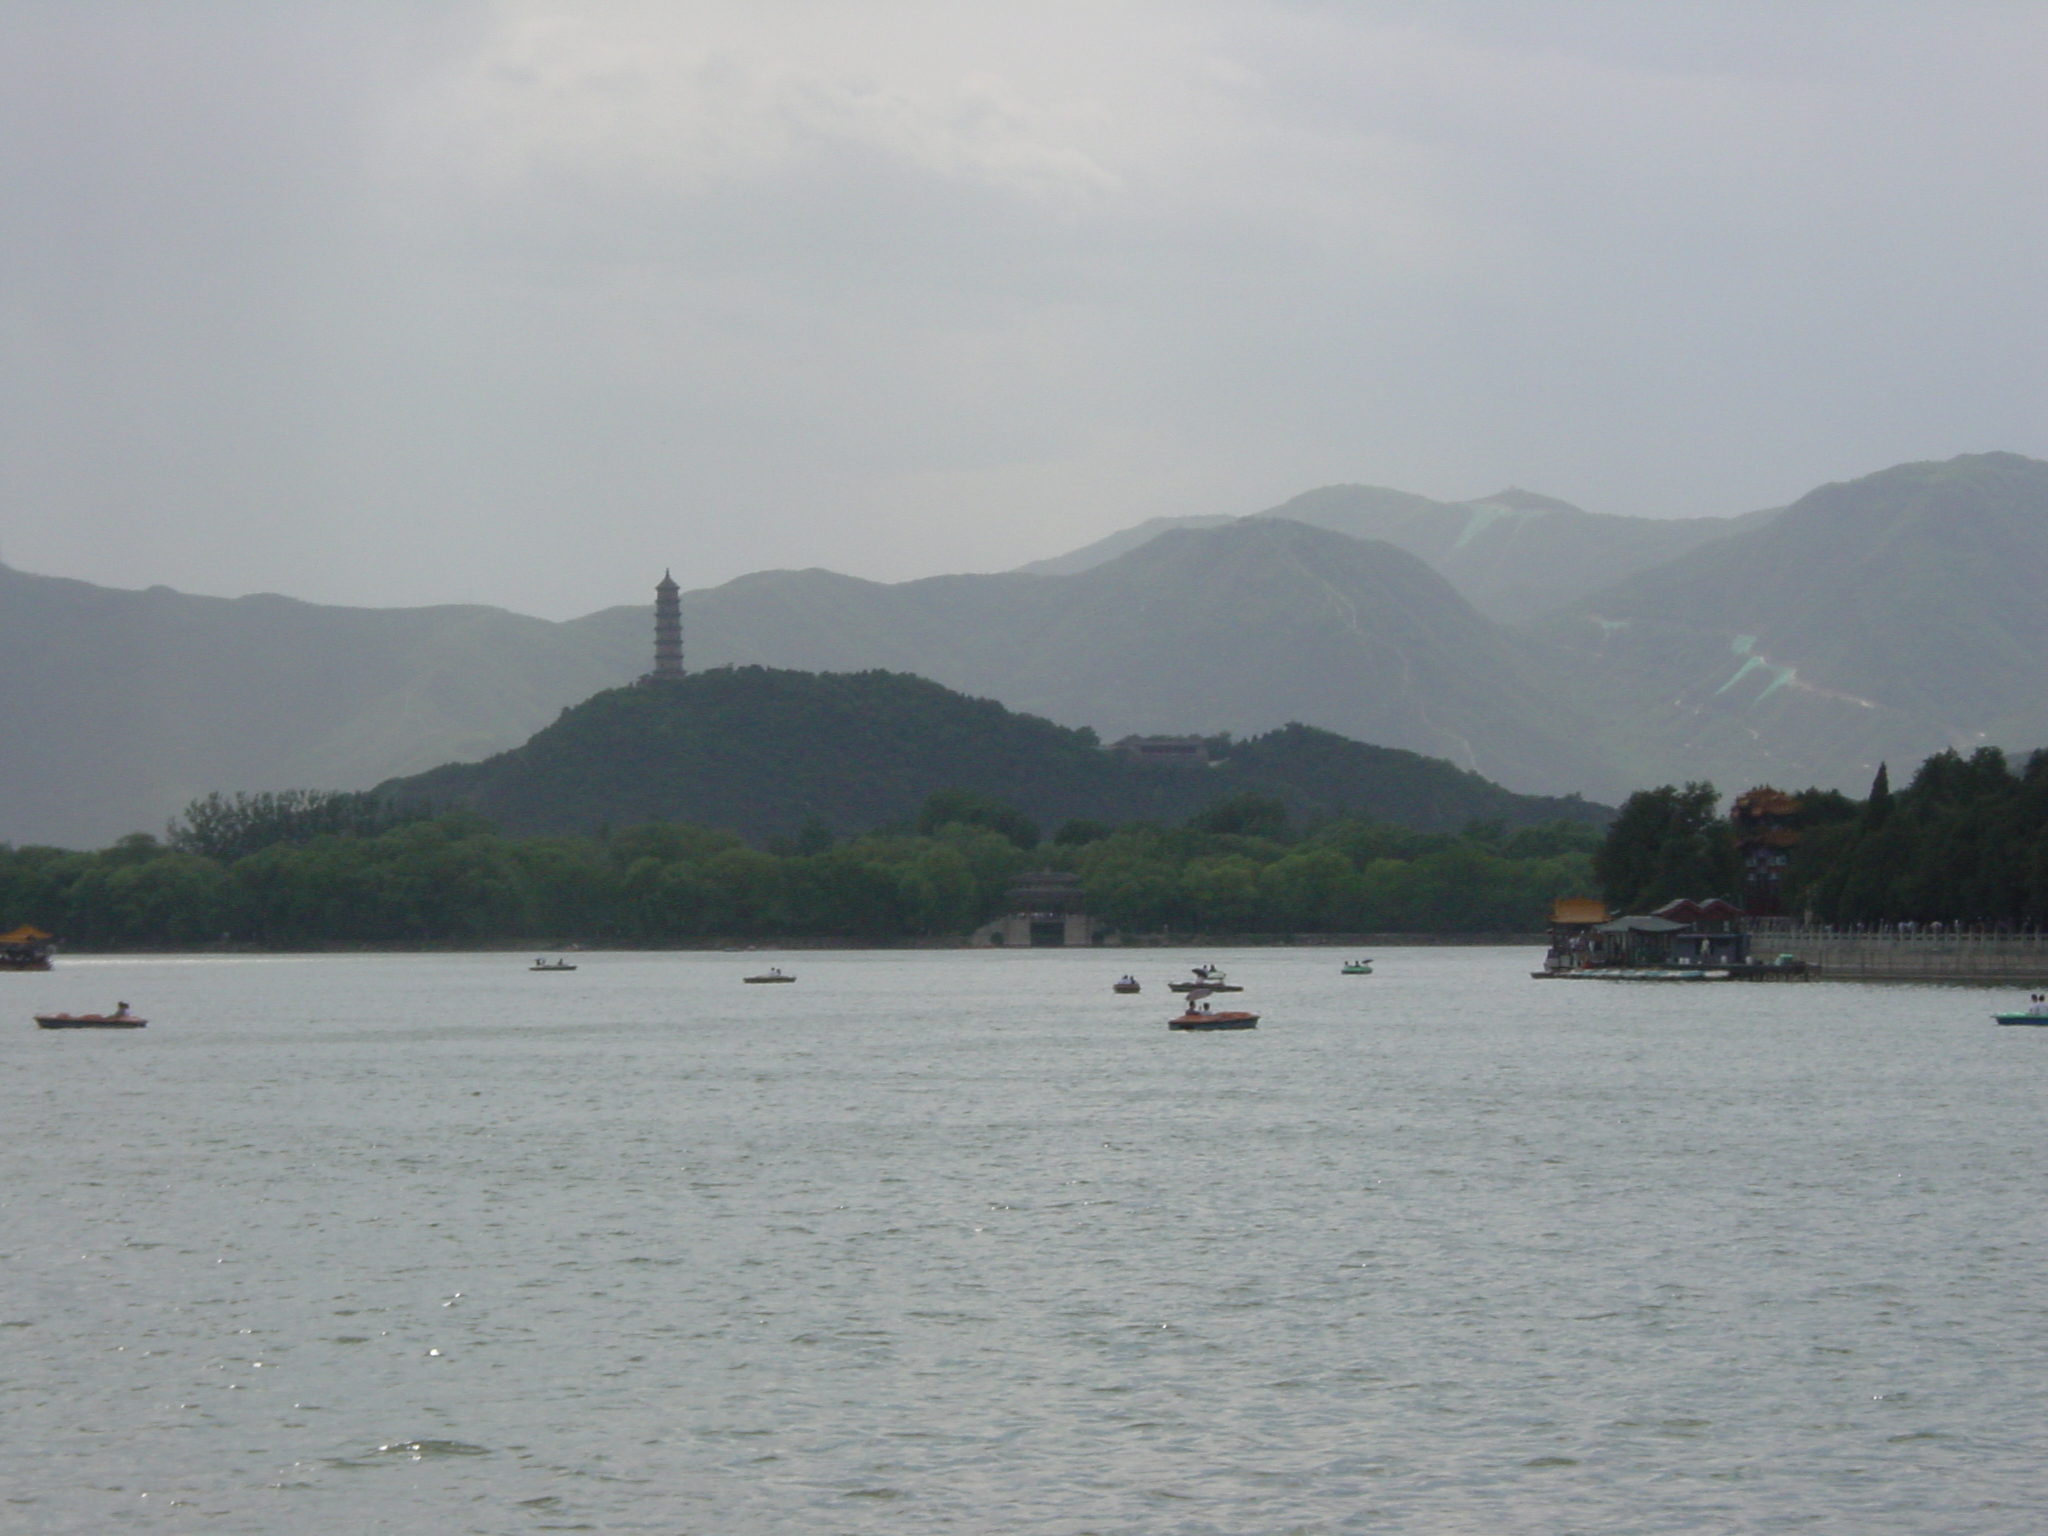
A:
(1208, 978)
(1357, 967)
(772, 974)
(120, 1018)
(1127, 984)
(2037, 1012)
(1201, 1016)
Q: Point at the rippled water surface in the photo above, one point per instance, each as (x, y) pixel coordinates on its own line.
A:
(962, 1242)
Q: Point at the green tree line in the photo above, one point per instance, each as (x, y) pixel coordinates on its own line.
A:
(1966, 841)
(299, 871)
(1667, 843)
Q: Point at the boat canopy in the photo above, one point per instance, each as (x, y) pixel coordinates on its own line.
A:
(25, 935)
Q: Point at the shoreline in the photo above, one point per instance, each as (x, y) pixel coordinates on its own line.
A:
(560, 946)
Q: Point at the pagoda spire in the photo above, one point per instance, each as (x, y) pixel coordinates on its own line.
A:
(668, 631)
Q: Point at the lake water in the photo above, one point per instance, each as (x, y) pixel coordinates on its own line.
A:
(962, 1242)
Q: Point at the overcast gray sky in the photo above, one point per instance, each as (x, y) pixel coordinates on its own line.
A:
(519, 303)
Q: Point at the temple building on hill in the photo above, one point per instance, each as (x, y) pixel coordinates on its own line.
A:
(1766, 823)
(668, 632)
(1174, 751)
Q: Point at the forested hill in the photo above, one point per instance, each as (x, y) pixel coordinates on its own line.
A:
(1238, 628)
(762, 751)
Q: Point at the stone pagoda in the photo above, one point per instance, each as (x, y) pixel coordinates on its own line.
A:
(668, 632)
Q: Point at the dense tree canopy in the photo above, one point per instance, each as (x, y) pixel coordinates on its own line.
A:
(1667, 843)
(963, 807)
(758, 749)
(1966, 841)
(222, 828)
(452, 879)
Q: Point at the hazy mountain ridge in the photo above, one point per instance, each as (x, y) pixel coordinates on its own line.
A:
(1122, 542)
(1514, 556)
(124, 705)
(1517, 555)
(1882, 618)
(265, 692)
(1242, 627)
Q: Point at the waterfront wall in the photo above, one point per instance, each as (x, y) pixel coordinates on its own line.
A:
(1986, 957)
(1535, 941)
(557, 944)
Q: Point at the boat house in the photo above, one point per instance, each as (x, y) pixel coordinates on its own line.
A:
(25, 949)
(1679, 938)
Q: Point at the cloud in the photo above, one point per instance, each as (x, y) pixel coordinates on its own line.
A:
(510, 301)
(652, 101)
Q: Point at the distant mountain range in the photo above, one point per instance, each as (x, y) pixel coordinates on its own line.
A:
(760, 751)
(1550, 649)
(1514, 556)
(1243, 627)
(124, 706)
(1886, 618)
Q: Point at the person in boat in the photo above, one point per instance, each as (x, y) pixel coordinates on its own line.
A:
(120, 1011)
(2037, 1005)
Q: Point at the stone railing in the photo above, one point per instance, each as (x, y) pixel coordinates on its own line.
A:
(1951, 952)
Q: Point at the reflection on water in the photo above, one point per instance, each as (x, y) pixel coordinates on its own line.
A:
(964, 1242)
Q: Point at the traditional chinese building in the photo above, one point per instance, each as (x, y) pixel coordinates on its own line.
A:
(668, 632)
(1681, 938)
(1044, 911)
(1766, 823)
(1174, 751)
(25, 949)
